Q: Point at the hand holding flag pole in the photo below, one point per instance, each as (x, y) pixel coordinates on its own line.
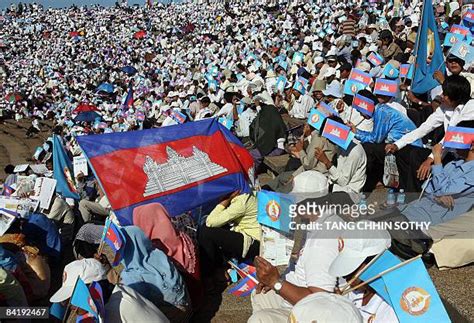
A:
(368, 281)
(242, 273)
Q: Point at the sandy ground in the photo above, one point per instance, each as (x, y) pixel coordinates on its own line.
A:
(455, 286)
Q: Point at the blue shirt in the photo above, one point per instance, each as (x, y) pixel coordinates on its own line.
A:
(455, 179)
(389, 126)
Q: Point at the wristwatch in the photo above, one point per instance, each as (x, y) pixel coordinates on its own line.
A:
(278, 285)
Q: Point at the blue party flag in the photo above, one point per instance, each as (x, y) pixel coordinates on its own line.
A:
(81, 297)
(463, 51)
(427, 44)
(281, 83)
(57, 310)
(351, 87)
(413, 295)
(451, 38)
(390, 71)
(384, 262)
(226, 122)
(274, 210)
(297, 57)
(62, 171)
(316, 118)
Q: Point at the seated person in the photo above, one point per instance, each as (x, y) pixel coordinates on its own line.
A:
(415, 161)
(304, 152)
(356, 253)
(349, 174)
(389, 126)
(267, 133)
(241, 240)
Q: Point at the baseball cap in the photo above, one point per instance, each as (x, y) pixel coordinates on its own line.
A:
(88, 269)
(310, 181)
(356, 245)
(325, 308)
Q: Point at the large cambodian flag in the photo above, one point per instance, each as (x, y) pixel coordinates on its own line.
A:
(182, 166)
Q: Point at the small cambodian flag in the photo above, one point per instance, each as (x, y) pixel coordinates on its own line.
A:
(351, 87)
(360, 76)
(338, 133)
(458, 29)
(316, 119)
(469, 16)
(7, 190)
(363, 105)
(115, 239)
(244, 287)
(375, 59)
(458, 138)
(178, 116)
(406, 70)
(129, 99)
(98, 296)
(386, 87)
(326, 109)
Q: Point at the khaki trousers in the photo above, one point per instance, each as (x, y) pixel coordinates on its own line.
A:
(269, 308)
(453, 241)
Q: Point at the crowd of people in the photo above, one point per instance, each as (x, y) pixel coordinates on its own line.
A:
(261, 68)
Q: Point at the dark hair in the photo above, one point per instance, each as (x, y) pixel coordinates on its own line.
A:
(368, 95)
(206, 100)
(466, 124)
(9, 169)
(457, 89)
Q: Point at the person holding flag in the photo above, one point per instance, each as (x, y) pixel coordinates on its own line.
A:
(389, 125)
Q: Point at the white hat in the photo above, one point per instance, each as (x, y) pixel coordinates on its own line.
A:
(356, 245)
(330, 71)
(310, 181)
(333, 89)
(89, 270)
(364, 66)
(325, 308)
(318, 59)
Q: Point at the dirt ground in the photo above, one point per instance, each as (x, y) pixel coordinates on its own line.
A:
(455, 286)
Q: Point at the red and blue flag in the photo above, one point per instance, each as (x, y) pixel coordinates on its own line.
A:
(469, 16)
(375, 59)
(363, 105)
(82, 298)
(338, 133)
(406, 70)
(245, 286)
(114, 237)
(181, 166)
(360, 76)
(386, 87)
(326, 109)
(178, 116)
(7, 190)
(98, 297)
(458, 138)
(129, 99)
(458, 29)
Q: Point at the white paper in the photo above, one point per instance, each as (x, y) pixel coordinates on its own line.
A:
(80, 165)
(44, 190)
(6, 221)
(20, 168)
(276, 247)
(39, 169)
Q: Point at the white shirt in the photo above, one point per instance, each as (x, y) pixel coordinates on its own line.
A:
(243, 123)
(201, 114)
(440, 117)
(301, 107)
(226, 110)
(375, 311)
(127, 305)
(318, 253)
(349, 175)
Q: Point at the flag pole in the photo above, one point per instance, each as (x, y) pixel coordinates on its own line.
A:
(69, 302)
(102, 239)
(240, 270)
(360, 272)
(418, 37)
(368, 281)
